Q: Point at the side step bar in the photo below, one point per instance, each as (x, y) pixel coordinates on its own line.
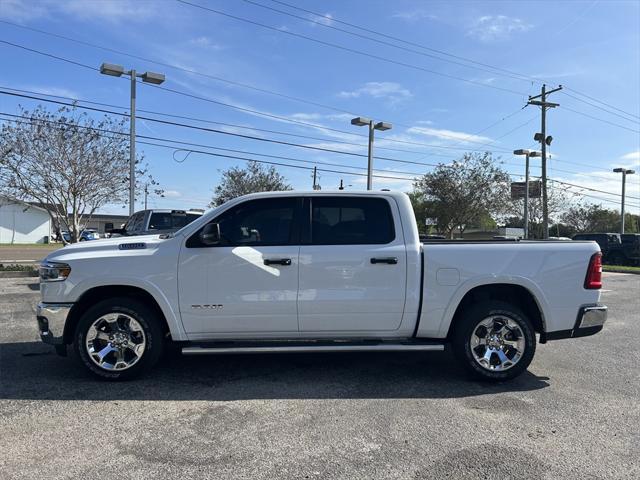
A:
(379, 347)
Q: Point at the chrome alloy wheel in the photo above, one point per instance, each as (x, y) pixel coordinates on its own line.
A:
(115, 341)
(497, 343)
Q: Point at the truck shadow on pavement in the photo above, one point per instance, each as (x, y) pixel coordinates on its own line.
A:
(32, 371)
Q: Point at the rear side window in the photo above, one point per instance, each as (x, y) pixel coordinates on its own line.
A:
(351, 221)
(160, 221)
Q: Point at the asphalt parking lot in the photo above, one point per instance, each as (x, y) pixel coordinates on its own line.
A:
(575, 414)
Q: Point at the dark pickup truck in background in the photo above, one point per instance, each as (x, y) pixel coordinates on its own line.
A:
(616, 249)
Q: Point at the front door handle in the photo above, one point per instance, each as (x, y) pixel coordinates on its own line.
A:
(389, 260)
(277, 261)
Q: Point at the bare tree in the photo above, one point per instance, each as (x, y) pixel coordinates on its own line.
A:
(68, 162)
(464, 192)
(254, 177)
(558, 202)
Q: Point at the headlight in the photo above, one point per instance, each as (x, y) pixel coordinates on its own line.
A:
(54, 272)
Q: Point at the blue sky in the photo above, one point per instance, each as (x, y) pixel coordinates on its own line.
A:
(591, 47)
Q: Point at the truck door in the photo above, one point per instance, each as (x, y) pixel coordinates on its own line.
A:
(353, 266)
(249, 282)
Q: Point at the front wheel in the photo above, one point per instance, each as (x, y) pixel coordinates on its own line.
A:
(494, 340)
(118, 338)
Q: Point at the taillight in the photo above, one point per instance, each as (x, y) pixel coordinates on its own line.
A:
(593, 281)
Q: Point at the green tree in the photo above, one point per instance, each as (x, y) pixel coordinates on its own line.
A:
(253, 178)
(465, 192)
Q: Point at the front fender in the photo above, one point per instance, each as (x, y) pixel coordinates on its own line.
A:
(166, 305)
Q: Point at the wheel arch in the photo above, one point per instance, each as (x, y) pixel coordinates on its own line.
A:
(512, 293)
(96, 294)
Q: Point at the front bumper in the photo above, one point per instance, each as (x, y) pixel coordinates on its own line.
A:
(51, 318)
(590, 321)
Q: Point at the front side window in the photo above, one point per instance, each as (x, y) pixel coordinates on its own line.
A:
(351, 221)
(260, 222)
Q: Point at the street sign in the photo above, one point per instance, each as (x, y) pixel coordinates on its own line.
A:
(518, 189)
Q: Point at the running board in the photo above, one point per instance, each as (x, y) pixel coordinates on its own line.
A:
(390, 347)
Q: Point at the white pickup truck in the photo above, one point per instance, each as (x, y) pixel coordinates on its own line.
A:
(316, 271)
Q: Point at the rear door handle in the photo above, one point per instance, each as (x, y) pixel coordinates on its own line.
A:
(389, 260)
(277, 261)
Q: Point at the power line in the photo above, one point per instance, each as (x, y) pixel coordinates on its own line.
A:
(213, 77)
(348, 49)
(406, 42)
(396, 160)
(256, 112)
(601, 102)
(178, 144)
(602, 108)
(601, 120)
(509, 73)
(382, 42)
(181, 143)
(222, 132)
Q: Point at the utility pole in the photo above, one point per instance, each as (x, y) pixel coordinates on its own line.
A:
(624, 172)
(132, 148)
(544, 142)
(146, 193)
(316, 186)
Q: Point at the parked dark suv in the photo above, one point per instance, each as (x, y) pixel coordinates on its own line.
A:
(631, 247)
(616, 249)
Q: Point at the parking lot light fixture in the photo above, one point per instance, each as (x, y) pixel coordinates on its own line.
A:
(382, 126)
(527, 153)
(154, 78)
(624, 172)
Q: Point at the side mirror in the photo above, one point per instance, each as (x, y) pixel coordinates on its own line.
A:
(115, 231)
(210, 234)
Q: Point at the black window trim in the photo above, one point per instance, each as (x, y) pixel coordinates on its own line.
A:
(294, 239)
(306, 235)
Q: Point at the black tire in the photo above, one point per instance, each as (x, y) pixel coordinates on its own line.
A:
(147, 319)
(467, 323)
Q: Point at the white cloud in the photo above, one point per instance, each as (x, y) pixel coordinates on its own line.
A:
(326, 19)
(632, 156)
(489, 28)
(444, 134)
(172, 194)
(414, 15)
(110, 10)
(205, 42)
(53, 91)
(387, 90)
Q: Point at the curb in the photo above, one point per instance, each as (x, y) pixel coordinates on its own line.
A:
(620, 270)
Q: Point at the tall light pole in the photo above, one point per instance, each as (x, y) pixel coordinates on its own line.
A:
(148, 77)
(624, 172)
(527, 154)
(382, 126)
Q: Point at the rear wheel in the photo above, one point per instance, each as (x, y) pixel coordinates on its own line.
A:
(494, 340)
(118, 338)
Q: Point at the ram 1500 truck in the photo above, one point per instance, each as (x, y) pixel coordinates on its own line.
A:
(316, 271)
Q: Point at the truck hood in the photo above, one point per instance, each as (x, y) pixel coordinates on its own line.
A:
(107, 247)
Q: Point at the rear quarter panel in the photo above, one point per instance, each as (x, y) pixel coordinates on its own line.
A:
(554, 272)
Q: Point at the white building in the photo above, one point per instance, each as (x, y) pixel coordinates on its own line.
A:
(22, 222)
